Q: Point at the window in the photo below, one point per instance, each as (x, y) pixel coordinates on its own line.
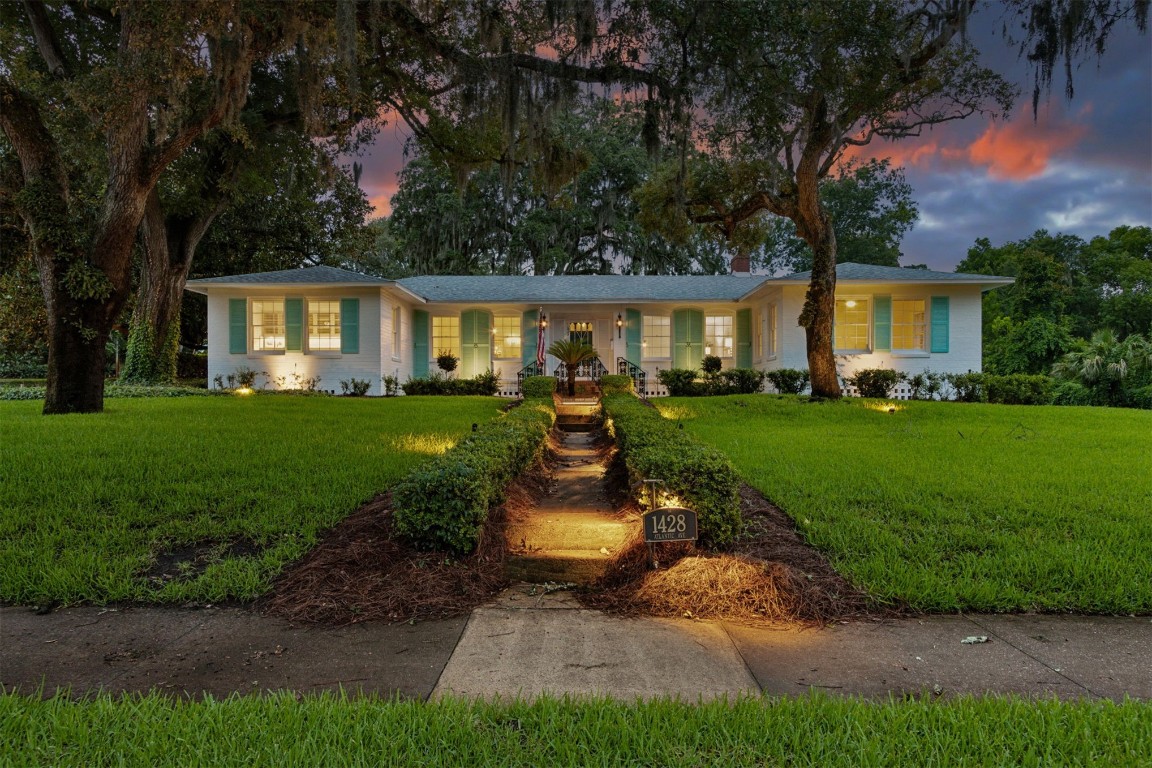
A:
(657, 339)
(908, 326)
(324, 325)
(506, 336)
(851, 330)
(396, 332)
(445, 335)
(580, 333)
(267, 325)
(718, 335)
(770, 331)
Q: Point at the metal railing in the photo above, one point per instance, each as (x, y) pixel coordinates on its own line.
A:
(532, 369)
(638, 375)
(589, 369)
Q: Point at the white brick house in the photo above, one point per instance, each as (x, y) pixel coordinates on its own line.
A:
(335, 324)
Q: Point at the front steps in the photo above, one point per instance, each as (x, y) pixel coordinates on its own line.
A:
(577, 414)
(572, 533)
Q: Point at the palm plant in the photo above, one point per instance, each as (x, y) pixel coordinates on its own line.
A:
(1105, 364)
(572, 354)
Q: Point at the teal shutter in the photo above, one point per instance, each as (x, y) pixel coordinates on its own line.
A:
(882, 322)
(475, 342)
(744, 338)
(633, 336)
(528, 336)
(350, 326)
(687, 338)
(237, 326)
(293, 325)
(939, 324)
(419, 344)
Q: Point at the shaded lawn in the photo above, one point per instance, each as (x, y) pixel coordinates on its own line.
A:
(330, 730)
(955, 506)
(213, 495)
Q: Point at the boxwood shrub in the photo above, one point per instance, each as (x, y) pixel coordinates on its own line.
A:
(538, 386)
(615, 384)
(443, 504)
(652, 447)
(487, 383)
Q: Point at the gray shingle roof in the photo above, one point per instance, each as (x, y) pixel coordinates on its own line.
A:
(306, 276)
(871, 273)
(581, 288)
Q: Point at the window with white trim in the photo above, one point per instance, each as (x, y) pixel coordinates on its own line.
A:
(445, 336)
(770, 332)
(324, 325)
(656, 341)
(718, 336)
(267, 325)
(506, 337)
(851, 330)
(909, 327)
(396, 312)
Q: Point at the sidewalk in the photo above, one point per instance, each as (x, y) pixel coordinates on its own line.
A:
(527, 645)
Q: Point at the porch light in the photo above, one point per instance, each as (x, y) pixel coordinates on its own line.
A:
(543, 320)
(619, 324)
(851, 303)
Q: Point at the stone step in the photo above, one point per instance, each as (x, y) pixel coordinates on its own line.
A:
(579, 566)
(569, 531)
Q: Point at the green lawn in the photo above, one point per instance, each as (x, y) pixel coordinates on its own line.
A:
(329, 731)
(951, 506)
(88, 502)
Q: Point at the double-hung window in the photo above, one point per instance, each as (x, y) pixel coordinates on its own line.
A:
(718, 336)
(506, 337)
(268, 329)
(445, 336)
(851, 329)
(656, 341)
(909, 329)
(396, 312)
(323, 325)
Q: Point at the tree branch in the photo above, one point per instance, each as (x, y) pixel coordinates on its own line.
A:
(46, 41)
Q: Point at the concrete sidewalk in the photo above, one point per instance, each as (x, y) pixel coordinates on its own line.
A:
(528, 644)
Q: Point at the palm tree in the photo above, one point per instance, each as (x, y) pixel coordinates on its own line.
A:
(1105, 364)
(572, 353)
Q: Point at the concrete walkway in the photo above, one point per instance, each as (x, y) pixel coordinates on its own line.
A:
(528, 643)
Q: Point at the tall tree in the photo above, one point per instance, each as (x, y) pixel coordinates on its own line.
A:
(142, 82)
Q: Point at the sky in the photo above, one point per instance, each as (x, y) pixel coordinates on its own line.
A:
(1079, 167)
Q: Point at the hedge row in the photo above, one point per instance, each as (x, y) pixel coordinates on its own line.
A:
(443, 504)
(684, 382)
(487, 383)
(111, 391)
(653, 447)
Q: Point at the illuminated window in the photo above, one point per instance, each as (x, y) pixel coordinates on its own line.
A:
(396, 332)
(851, 329)
(445, 336)
(506, 336)
(580, 333)
(657, 338)
(718, 335)
(323, 325)
(909, 331)
(267, 325)
(769, 340)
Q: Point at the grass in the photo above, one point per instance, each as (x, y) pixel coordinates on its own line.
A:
(953, 506)
(282, 729)
(213, 495)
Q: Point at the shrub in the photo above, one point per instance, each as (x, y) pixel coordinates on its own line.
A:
(22, 393)
(1140, 398)
(487, 383)
(615, 384)
(1072, 393)
(443, 504)
(391, 385)
(680, 382)
(245, 377)
(700, 475)
(925, 386)
(741, 381)
(446, 361)
(191, 365)
(875, 382)
(711, 364)
(966, 387)
(114, 390)
(355, 387)
(23, 365)
(1018, 389)
(788, 381)
(538, 386)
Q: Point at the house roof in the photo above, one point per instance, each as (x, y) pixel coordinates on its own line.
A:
(560, 289)
(573, 289)
(326, 276)
(871, 273)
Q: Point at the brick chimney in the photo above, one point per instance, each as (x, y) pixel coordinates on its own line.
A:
(741, 265)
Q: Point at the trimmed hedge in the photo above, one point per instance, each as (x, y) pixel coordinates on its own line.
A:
(683, 382)
(443, 504)
(615, 384)
(487, 383)
(875, 382)
(700, 475)
(538, 386)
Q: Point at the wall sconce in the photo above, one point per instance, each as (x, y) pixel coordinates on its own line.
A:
(543, 320)
(619, 325)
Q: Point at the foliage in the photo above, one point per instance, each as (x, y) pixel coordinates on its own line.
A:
(246, 377)
(680, 382)
(711, 364)
(947, 507)
(538, 386)
(443, 505)
(811, 728)
(572, 354)
(112, 391)
(698, 475)
(89, 504)
(23, 365)
(966, 387)
(1112, 369)
(1018, 389)
(875, 382)
(926, 385)
(21, 392)
(615, 384)
(487, 383)
(355, 387)
(390, 385)
(1072, 393)
(192, 365)
(447, 361)
(739, 381)
(788, 381)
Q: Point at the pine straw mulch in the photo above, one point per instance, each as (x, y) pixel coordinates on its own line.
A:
(770, 576)
(361, 571)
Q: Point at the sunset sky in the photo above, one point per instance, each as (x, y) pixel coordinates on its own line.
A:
(1081, 167)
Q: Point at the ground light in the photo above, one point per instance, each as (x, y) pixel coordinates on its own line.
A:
(884, 407)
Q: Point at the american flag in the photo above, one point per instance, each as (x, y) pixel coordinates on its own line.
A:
(540, 338)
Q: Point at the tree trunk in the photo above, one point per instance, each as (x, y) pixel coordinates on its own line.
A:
(77, 337)
(154, 333)
(571, 381)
